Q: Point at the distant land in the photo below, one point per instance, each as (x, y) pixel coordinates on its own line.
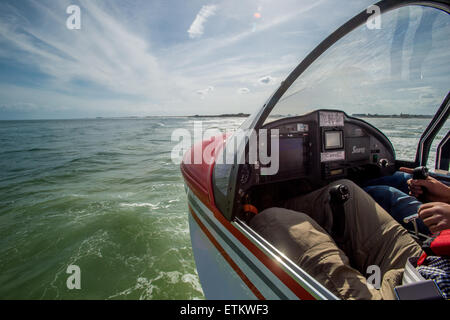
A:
(231, 115)
(401, 115)
(236, 115)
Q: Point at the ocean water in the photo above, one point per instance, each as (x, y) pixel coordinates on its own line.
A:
(105, 195)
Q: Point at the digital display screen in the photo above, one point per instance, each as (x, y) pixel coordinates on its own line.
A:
(333, 140)
(291, 151)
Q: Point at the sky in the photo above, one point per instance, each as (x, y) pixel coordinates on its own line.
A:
(402, 67)
(157, 57)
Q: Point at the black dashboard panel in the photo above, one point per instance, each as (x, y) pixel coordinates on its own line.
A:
(323, 146)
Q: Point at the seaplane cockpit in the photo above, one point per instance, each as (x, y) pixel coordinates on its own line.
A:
(314, 150)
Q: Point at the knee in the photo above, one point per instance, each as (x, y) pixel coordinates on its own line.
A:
(384, 192)
(292, 232)
(402, 176)
(276, 220)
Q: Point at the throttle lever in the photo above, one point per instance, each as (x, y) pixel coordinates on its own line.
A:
(413, 218)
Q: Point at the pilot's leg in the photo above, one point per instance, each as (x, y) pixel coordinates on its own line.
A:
(399, 181)
(371, 237)
(301, 239)
(398, 204)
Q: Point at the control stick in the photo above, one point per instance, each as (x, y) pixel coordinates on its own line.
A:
(421, 173)
(339, 194)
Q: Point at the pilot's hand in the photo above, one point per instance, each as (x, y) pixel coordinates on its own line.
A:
(435, 215)
(436, 190)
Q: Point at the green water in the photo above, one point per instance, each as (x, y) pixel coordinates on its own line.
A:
(100, 194)
(105, 195)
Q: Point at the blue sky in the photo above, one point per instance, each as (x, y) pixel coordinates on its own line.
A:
(403, 67)
(157, 57)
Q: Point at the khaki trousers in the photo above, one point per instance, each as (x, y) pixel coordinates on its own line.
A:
(372, 237)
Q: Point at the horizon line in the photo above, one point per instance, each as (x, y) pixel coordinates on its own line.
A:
(241, 115)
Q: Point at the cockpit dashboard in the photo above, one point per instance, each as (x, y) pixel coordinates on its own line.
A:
(318, 148)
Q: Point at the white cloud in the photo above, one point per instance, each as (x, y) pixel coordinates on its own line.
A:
(19, 106)
(266, 80)
(197, 27)
(103, 52)
(243, 90)
(203, 92)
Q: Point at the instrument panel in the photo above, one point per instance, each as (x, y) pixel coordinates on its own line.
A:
(323, 146)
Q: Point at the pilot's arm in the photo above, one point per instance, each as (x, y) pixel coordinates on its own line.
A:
(436, 190)
(435, 214)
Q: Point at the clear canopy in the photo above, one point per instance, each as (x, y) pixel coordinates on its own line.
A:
(400, 70)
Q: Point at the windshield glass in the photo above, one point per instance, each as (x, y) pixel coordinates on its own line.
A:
(395, 76)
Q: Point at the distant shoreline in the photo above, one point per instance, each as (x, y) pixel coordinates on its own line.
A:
(231, 115)
(397, 116)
